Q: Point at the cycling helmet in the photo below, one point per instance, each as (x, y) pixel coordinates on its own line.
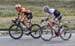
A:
(45, 8)
(18, 5)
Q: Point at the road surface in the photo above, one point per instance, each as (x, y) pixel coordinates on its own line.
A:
(29, 41)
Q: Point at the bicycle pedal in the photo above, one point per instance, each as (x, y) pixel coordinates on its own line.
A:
(28, 33)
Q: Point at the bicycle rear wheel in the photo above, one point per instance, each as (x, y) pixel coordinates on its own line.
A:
(15, 31)
(36, 31)
(47, 34)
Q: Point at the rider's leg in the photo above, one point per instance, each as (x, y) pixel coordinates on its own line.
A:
(27, 23)
(58, 21)
(27, 20)
(58, 18)
(59, 24)
(19, 18)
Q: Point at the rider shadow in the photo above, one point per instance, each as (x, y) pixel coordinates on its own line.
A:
(55, 41)
(26, 39)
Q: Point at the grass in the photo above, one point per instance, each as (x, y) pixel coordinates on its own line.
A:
(8, 12)
(37, 11)
(6, 21)
(66, 7)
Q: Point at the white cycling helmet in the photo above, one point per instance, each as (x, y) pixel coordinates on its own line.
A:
(45, 8)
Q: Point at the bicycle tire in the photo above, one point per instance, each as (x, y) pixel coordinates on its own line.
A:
(35, 31)
(10, 29)
(63, 33)
(50, 35)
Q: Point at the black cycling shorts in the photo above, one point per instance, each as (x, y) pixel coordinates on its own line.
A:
(57, 15)
(29, 15)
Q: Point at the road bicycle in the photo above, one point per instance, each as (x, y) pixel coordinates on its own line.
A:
(49, 32)
(17, 29)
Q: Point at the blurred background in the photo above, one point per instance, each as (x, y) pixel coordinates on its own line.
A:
(8, 12)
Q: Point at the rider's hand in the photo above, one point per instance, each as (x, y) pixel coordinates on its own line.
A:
(16, 19)
(46, 19)
(42, 21)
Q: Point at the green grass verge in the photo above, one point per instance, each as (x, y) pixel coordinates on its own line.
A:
(38, 13)
(6, 21)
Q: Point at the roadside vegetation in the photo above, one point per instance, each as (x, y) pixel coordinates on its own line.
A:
(8, 12)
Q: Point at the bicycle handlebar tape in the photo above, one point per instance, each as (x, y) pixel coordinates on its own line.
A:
(46, 19)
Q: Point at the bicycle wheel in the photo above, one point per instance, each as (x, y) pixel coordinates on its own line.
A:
(47, 34)
(66, 34)
(15, 31)
(36, 31)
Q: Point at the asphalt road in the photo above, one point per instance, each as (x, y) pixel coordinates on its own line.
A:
(29, 41)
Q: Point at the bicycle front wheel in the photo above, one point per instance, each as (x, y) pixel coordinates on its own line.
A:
(36, 31)
(66, 34)
(15, 31)
(47, 34)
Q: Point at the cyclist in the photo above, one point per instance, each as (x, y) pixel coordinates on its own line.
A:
(52, 11)
(24, 14)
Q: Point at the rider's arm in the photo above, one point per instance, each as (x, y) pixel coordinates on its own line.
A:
(19, 16)
(49, 15)
(46, 19)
